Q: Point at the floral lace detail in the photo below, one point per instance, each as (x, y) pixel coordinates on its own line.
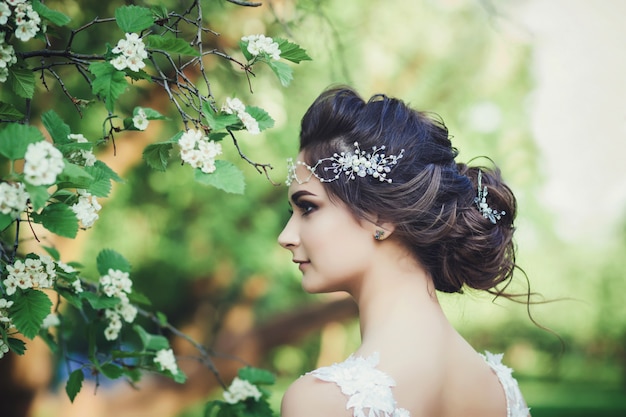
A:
(367, 388)
(515, 405)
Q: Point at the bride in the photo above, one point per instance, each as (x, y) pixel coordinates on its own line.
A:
(382, 211)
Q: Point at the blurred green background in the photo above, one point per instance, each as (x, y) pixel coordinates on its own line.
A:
(531, 84)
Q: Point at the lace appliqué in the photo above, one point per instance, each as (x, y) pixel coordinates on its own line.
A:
(515, 405)
(367, 388)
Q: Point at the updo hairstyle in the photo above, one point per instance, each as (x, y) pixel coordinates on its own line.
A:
(431, 197)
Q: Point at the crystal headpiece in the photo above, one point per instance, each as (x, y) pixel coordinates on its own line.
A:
(349, 164)
(481, 202)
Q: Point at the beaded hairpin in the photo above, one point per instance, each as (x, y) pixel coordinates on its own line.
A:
(481, 202)
(351, 164)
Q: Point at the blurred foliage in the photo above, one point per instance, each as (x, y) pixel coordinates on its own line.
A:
(460, 59)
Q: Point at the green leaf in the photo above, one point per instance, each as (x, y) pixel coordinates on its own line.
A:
(53, 252)
(15, 138)
(133, 18)
(162, 318)
(218, 121)
(5, 221)
(160, 12)
(110, 173)
(74, 176)
(261, 116)
(29, 309)
(53, 16)
(291, 51)
(151, 114)
(74, 384)
(136, 297)
(47, 337)
(110, 259)
(111, 371)
(243, 46)
(171, 45)
(108, 83)
(101, 183)
(70, 297)
(282, 71)
(180, 377)
(151, 341)
(157, 155)
(59, 219)
(57, 128)
(99, 302)
(16, 345)
(10, 112)
(256, 376)
(38, 195)
(22, 80)
(226, 177)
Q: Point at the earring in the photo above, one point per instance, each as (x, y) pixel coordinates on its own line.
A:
(379, 234)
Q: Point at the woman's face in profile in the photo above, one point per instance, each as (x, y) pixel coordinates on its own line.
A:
(331, 247)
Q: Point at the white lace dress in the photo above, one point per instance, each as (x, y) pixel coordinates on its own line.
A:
(369, 389)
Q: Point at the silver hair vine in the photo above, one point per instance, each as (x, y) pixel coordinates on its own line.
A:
(351, 165)
(481, 202)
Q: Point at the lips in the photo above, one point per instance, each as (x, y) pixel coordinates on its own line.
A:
(301, 264)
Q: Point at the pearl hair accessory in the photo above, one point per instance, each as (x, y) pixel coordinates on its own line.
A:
(351, 164)
(481, 202)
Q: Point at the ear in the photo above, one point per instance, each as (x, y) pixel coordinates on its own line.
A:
(381, 230)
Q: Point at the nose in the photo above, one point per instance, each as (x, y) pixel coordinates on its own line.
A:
(289, 237)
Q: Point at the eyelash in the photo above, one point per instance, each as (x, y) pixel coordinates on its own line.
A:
(305, 207)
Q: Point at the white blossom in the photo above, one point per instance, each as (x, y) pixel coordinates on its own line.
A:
(43, 163)
(166, 360)
(4, 348)
(86, 209)
(198, 151)
(7, 58)
(5, 319)
(30, 273)
(13, 199)
(235, 106)
(240, 390)
(116, 283)
(84, 157)
(132, 52)
(5, 12)
(51, 320)
(261, 44)
(140, 120)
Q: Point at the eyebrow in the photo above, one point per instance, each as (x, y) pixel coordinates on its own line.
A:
(299, 194)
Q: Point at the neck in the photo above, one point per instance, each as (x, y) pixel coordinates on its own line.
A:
(395, 300)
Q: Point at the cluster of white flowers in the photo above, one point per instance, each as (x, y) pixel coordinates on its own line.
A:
(84, 157)
(7, 54)
(43, 163)
(13, 199)
(4, 348)
(5, 319)
(132, 52)
(26, 20)
(166, 360)
(117, 284)
(31, 273)
(51, 320)
(198, 151)
(140, 120)
(235, 106)
(76, 285)
(86, 209)
(239, 390)
(261, 44)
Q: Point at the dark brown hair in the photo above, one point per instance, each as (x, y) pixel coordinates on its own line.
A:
(431, 199)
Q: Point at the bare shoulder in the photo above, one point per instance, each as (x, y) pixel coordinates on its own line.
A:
(310, 397)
